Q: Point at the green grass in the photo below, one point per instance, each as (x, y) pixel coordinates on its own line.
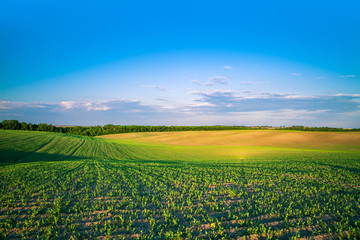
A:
(55, 186)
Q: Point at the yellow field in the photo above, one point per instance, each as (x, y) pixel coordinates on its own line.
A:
(250, 138)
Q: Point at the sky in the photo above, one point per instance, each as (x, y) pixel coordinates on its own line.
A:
(252, 63)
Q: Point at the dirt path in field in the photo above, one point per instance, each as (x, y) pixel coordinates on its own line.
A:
(267, 138)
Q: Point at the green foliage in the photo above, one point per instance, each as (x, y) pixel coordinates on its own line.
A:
(114, 129)
(109, 128)
(59, 186)
(320, 129)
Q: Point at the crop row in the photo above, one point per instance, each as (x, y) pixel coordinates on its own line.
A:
(107, 198)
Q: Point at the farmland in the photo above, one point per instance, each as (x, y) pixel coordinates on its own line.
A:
(262, 184)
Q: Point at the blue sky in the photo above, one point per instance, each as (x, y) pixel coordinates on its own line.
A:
(181, 62)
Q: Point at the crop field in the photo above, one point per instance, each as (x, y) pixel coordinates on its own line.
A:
(208, 185)
(257, 138)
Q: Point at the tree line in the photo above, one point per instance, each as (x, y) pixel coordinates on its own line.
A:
(113, 129)
(108, 128)
(319, 129)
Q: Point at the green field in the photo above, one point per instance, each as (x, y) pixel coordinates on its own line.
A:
(180, 185)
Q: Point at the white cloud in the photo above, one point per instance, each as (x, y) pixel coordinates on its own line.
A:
(205, 104)
(214, 92)
(87, 105)
(347, 95)
(321, 77)
(215, 107)
(219, 79)
(6, 105)
(68, 104)
(201, 83)
(102, 105)
(247, 101)
(248, 94)
(347, 76)
(212, 81)
(228, 68)
(99, 108)
(296, 74)
(12, 105)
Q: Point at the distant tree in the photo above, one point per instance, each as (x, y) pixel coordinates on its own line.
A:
(109, 126)
(112, 129)
(51, 128)
(24, 126)
(11, 124)
(43, 127)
